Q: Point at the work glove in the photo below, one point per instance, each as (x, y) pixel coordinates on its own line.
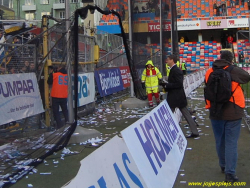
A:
(143, 85)
(160, 82)
(164, 85)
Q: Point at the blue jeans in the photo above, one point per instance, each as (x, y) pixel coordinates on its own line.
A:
(226, 135)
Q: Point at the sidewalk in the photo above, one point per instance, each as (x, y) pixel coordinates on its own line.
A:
(200, 162)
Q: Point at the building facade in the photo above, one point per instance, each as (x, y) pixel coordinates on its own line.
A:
(35, 9)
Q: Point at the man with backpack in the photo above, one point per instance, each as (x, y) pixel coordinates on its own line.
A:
(225, 100)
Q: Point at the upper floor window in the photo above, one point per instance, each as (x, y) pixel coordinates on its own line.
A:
(44, 2)
(62, 14)
(5, 3)
(29, 16)
(29, 2)
(44, 13)
(10, 3)
(74, 1)
(61, 1)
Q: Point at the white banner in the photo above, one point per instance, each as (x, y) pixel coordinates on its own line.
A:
(157, 145)
(86, 88)
(236, 23)
(19, 97)
(186, 86)
(188, 25)
(109, 166)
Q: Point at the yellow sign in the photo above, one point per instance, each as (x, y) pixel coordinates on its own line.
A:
(213, 23)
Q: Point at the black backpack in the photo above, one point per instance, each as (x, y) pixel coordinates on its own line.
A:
(218, 89)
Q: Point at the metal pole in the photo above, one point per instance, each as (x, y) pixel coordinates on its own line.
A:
(237, 38)
(130, 24)
(161, 45)
(18, 9)
(172, 43)
(248, 30)
(131, 87)
(70, 93)
(46, 71)
(131, 45)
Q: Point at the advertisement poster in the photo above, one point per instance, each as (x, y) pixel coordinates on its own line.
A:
(108, 81)
(19, 97)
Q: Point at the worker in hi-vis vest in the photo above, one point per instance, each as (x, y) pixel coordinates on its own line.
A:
(59, 94)
(167, 69)
(178, 64)
(150, 80)
(184, 68)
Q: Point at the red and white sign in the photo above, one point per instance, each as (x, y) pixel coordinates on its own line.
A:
(236, 23)
(125, 73)
(155, 27)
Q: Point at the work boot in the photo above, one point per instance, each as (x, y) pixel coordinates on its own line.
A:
(231, 178)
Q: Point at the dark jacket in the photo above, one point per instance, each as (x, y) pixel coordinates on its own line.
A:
(230, 111)
(50, 79)
(176, 96)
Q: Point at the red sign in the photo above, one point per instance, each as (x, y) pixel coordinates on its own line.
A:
(125, 73)
(155, 27)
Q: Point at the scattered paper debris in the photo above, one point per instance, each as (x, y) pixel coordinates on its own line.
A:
(45, 173)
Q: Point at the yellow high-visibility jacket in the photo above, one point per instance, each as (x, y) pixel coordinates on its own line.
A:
(167, 69)
(151, 76)
(178, 64)
(183, 66)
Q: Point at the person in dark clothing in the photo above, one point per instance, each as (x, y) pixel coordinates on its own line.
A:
(232, 3)
(223, 9)
(166, 10)
(218, 10)
(215, 6)
(226, 125)
(136, 9)
(176, 96)
(59, 94)
(26, 67)
(32, 67)
(179, 12)
(11, 63)
(25, 37)
(123, 13)
(241, 57)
